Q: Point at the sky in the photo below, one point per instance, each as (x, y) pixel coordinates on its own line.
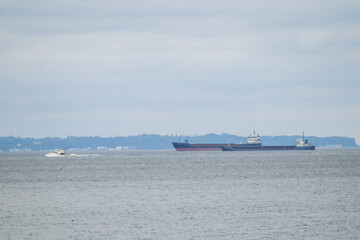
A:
(120, 68)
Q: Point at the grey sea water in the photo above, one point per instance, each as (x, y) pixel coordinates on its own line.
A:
(181, 195)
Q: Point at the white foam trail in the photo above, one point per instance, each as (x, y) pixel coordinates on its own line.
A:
(72, 155)
(54, 155)
(84, 155)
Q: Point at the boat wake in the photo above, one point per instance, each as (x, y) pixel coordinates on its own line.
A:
(62, 153)
(84, 155)
(54, 155)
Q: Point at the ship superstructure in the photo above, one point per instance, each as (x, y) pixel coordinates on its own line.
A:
(302, 142)
(254, 139)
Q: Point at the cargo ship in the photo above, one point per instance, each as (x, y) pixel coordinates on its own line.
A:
(254, 144)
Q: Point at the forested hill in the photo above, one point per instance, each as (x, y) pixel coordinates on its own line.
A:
(153, 141)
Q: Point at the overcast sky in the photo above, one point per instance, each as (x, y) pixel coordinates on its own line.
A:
(120, 68)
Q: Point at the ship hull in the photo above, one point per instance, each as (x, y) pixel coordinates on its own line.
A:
(206, 146)
(197, 147)
(267, 148)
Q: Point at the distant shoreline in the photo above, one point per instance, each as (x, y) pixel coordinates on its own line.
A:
(154, 142)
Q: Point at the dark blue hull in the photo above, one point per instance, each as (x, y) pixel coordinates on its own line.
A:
(266, 148)
(234, 147)
(206, 146)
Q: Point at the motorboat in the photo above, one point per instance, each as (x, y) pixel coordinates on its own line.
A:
(57, 153)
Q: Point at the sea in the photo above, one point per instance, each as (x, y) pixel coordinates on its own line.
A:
(181, 195)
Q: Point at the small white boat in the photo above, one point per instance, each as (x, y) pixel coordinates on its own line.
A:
(57, 153)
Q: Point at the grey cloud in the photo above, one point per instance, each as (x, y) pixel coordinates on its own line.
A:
(175, 65)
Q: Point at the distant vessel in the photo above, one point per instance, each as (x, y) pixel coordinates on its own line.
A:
(253, 144)
(57, 153)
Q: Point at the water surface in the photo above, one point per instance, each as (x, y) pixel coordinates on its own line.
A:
(181, 195)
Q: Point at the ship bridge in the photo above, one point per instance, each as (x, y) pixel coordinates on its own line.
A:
(254, 139)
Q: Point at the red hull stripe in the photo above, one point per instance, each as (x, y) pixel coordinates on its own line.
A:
(198, 149)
